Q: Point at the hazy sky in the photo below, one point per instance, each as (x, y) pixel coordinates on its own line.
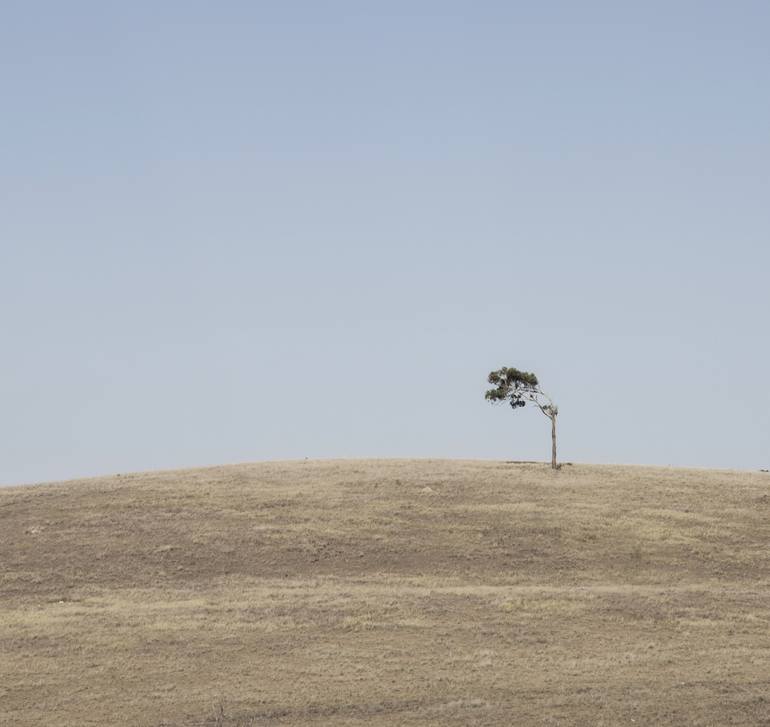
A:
(238, 231)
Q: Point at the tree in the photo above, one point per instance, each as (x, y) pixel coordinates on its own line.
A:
(520, 388)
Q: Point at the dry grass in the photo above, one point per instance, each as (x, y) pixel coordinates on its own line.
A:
(387, 592)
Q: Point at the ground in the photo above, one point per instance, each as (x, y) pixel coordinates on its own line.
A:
(383, 592)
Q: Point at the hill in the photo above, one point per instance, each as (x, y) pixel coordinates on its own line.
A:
(387, 592)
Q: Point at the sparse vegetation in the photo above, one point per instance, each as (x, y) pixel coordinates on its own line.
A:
(339, 593)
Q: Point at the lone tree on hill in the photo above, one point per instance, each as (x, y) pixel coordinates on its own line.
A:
(520, 388)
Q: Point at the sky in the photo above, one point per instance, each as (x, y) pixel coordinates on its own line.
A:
(243, 231)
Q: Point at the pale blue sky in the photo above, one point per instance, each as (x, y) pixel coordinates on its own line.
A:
(239, 231)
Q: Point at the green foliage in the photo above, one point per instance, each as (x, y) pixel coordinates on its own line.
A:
(513, 386)
(512, 377)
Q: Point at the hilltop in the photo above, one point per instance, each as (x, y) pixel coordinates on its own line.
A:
(381, 592)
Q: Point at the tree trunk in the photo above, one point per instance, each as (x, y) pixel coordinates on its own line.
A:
(553, 442)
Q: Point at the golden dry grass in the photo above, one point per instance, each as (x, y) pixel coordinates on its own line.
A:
(387, 592)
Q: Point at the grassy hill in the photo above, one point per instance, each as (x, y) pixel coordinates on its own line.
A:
(387, 592)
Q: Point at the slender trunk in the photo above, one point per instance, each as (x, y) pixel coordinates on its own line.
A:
(553, 442)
